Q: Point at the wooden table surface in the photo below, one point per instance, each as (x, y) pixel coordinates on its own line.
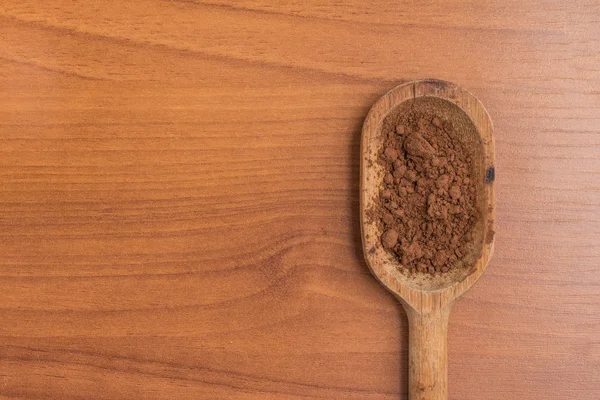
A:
(179, 198)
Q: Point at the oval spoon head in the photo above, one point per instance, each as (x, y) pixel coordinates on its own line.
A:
(422, 291)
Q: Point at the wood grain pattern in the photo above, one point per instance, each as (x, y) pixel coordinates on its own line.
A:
(179, 198)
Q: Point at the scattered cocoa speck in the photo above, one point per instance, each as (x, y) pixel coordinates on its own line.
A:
(431, 199)
(391, 154)
(399, 213)
(431, 211)
(389, 238)
(388, 219)
(489, 237)
(427, 254)
(442, 182)
(440, 257)
(443, 212)
(413, 251)
(411, 175)
(400, 171)
(454, 192)
(400, 129)
(416, 145)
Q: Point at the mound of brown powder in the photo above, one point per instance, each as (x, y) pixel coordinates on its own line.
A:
(427, 204)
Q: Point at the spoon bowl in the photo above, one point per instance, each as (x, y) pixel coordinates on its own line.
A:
(428, 299)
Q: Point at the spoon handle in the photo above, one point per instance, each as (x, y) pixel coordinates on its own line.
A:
(428, 354)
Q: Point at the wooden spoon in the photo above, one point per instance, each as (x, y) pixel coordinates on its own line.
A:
(428, 299)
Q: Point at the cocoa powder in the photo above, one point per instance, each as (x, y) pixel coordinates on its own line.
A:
(427, 206)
